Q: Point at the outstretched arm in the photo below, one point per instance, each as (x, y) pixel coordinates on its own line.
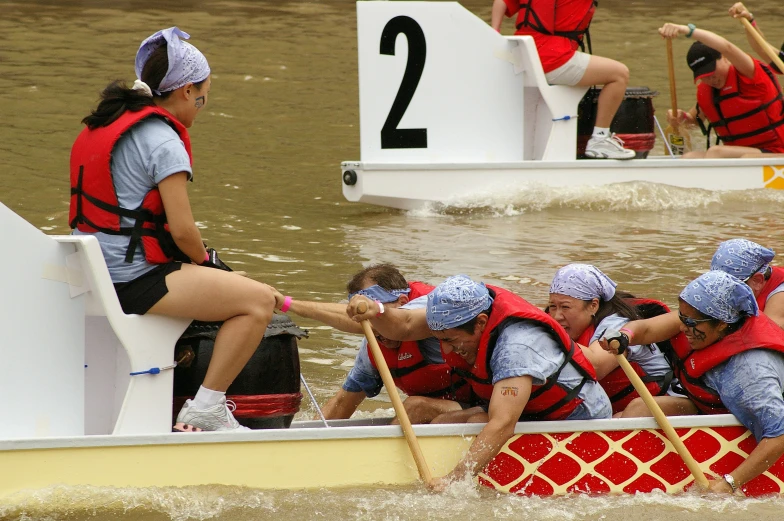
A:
(742, 61)
(650, 330)
(393, 323)
(333, 315)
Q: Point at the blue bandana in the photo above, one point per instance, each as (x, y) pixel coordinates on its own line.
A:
(741, 258)
(456, 301)
(583, 282)
(186, 63)
(720, 296)
(380, 294)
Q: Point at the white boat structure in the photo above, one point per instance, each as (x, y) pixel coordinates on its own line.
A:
(75, 417)
(451, 110)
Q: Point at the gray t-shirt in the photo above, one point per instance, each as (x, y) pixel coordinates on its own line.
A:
(527, 349)
(144, 156)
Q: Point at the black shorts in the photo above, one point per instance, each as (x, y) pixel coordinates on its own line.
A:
(142, 293)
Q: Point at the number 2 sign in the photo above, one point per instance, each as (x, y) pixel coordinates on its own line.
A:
(435, 84)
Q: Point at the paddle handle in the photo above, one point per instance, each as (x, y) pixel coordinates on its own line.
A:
(769, 49)
(671, 72)
(663, 422)
(397, 403)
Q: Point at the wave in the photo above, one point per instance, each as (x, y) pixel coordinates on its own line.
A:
(620, 197)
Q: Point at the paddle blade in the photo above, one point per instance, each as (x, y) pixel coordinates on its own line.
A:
(679, 143)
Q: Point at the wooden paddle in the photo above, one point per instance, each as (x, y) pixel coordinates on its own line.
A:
(397, 403)
(678, 144)
(771, 51)
(663, 422)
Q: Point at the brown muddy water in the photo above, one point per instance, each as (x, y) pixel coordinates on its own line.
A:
(283, 114)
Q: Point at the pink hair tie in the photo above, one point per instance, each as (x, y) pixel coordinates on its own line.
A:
(286, 304)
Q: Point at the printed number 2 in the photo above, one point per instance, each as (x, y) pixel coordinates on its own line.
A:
(391, 136)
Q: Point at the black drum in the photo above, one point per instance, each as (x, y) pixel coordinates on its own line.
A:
(633, 123)
(266, 392)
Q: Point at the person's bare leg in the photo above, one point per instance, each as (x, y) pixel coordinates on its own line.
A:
(208, 294)
(729, 152)
(422, 409)
(461, 416)
(694, 154)
(670, 406)
(615, 77)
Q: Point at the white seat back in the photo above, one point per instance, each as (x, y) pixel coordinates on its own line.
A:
(42, 347)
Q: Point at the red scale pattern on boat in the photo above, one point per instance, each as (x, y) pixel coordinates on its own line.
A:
(534, 486)
(730, 433)
(645, 446)
(645, 483)
(671, 468)
(560, 469)
(531, 447)
(588, 446)
(590, 484)
(702, 446)
(504, 469)
(617, 468)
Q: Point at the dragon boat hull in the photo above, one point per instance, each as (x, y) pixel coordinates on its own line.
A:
(542, 458)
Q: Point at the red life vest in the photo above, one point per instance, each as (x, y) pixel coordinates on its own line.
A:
(414, 374)
(616, 384)
(543, 17)
(775, 280)
(758, 332)
(741, 118)
(94, 204)
(551, 401)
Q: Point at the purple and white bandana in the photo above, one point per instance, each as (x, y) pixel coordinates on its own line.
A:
(186, 63)
(376, 292)
(583, 282)
(721, 296)
(456, 301)
(741, 258)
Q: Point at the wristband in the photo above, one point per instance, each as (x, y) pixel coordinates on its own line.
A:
(628, 332)
(380, 308)
(286, 304)
(753, 23)
(691, 30)
(206, 256)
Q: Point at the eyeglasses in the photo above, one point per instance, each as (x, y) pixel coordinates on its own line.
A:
(747, 279)
(691, 322)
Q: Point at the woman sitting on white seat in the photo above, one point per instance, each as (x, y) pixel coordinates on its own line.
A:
(558, 27)
(129, 171)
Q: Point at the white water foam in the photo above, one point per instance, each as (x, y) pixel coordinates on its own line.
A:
(634, 196)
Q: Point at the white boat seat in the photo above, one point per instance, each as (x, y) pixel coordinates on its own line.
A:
(68, 349)
(555, 123)
(131, 404)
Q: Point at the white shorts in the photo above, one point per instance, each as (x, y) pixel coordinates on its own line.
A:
(571, 72)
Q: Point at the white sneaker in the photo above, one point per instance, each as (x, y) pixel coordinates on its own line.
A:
(215, 418)
(607, 147)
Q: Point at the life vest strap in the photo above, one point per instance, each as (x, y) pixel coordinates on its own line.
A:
(401, 372)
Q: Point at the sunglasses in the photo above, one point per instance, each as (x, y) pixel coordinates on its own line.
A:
(691, 322)
(747, 279)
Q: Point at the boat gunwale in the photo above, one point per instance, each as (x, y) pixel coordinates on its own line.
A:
(308, 431)
(655, 162)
